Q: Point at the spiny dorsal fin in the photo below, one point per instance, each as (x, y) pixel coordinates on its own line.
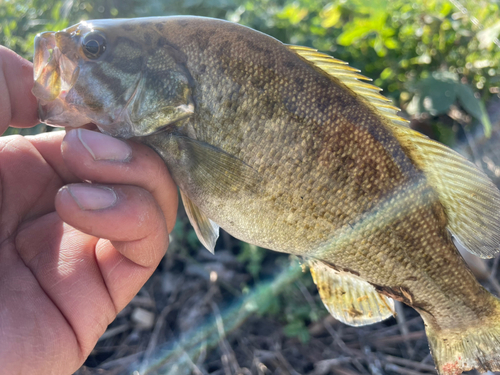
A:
(350, 77)
(348, 298)
(206, 230)
(470, 199)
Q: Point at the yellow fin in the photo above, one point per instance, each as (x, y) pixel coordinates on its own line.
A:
(206, 230)
(350, 77)
(471, 201)
(466, 348)
(348, 298)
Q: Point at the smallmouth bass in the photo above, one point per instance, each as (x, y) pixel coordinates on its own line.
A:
(290, 149)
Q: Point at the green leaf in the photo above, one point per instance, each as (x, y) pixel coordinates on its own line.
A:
(469, 101)
(352, 34)
(437, 93)
(386, 73)
(294, 13)
(56, 12)
(370, 6)
(474, 107)
(330, 16)
(297, 329)
(485, 119)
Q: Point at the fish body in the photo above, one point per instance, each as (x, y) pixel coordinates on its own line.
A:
(288, 149)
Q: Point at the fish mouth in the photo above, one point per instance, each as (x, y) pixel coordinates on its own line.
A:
(55, 73)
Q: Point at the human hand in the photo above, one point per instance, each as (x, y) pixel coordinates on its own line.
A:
(72, 254)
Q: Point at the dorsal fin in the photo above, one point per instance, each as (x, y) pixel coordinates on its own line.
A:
(350, 77)
(471, 201)
(348, 298)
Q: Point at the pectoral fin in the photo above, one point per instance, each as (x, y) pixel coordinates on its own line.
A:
(348, 298)
(201, 168)
(206, 230)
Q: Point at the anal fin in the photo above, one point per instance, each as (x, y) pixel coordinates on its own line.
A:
(206, 230)
(348, 298)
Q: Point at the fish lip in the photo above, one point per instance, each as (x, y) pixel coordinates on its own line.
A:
(44, 42)
(54, 76)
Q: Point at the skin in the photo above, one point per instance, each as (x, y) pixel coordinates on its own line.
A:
(66, 271)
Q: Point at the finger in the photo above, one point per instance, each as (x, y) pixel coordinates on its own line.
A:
(26, 318)
(31, 173)
(100, 158)
(18, 106)
(126, 215)
(132, 221)
(63, 262)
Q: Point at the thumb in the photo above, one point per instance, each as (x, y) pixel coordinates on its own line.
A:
(18, 106)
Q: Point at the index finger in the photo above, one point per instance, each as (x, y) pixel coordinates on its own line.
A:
(18, 106)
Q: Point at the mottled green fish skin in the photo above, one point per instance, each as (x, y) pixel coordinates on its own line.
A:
(334, 183)
(327, 164)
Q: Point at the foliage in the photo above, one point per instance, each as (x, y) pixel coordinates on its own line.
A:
(253, 256)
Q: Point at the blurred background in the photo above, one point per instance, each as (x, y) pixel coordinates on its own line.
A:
(247, 310)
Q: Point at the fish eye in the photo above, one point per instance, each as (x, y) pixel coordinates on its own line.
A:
(94, 45)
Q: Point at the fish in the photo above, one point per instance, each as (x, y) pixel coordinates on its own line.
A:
(295, 151)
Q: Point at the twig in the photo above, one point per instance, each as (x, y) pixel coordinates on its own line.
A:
(343, 371)
(383, 341)
(401, 370)
(400, 318)
(123, 361)
(285, 363)
(323, 367)
(344, 348)
(261, 368)
(394, 328)
(228, 353)
(408, 363)
(154, 337)
(308, 297)
(110, 332)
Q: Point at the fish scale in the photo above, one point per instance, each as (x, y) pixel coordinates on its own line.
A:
(287, 148)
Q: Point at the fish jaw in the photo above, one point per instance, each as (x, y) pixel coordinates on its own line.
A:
(57, 70)
(55, 74)
(110, 89)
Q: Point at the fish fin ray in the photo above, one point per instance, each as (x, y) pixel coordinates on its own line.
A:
(472, 208)
(471, 201)
(206, 230)
(350, 77)
(216, 170)
(475, 347)
(348, 298)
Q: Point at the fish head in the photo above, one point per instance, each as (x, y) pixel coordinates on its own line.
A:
(117, 74)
